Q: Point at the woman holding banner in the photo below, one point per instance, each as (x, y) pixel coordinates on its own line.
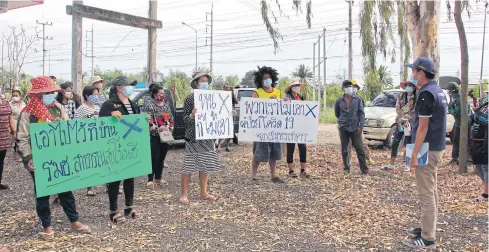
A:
(293, 92)
(89, 110)
(118, 106)
(265, 81)
(161, 120)
(200, 155)
(42, 107)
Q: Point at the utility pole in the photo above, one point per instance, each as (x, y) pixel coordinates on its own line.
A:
(195, 42)
(49, 60)
(482, 59)
(212, 31)
(313, 71)
(319, 69)
(44, 44)
(152, 35)
(3, 70)
(324, 72)
(91, 55)
(350, 48)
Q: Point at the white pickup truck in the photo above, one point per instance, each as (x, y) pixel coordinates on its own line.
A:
(380, 116)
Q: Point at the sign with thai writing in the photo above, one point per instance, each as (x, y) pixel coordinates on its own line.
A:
(270, 120)
(214, 118)
(70, 155)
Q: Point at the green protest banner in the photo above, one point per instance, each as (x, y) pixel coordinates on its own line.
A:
(70, 155)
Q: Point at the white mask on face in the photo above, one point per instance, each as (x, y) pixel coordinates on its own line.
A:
(296, 89)
(15, 98)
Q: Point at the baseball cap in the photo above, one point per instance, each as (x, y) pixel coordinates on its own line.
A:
(347, 82)
(423, 63)
(122, 81)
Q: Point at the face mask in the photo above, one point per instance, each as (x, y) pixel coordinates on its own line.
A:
(160, 97)
(128, 91)
(348, 91)
(296, 89)
(48, 99)
(413, 80)
(15, 98)
(409, 89)
(354, 90)
(204, 85)
(93, 99)
(68, 94)
(267, 83)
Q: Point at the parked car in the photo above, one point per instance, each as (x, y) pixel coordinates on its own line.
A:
(240, 92)
(140, 95)
(380, 116)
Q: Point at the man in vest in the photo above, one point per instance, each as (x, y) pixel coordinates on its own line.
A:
(428, 126)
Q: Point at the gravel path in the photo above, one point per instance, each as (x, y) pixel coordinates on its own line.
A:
(331, 212)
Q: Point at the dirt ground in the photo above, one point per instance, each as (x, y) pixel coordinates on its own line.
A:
(330, 212)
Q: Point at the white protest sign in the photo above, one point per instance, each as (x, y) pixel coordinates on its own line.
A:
(214, 118)
(269, 120)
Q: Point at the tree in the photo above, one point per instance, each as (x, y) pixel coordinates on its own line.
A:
(232, 80)
(218, 82)
(249, 79)
(180, 82)
(305, 75)
(385, 77)
(19, 44)
(373, 85)
(464, 54)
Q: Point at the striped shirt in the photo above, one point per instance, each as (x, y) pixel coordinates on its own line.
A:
(84, 111)
(129, 108)
(5, 113)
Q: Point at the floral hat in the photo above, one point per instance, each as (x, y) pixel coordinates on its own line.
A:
(199, 72)
(43, 84)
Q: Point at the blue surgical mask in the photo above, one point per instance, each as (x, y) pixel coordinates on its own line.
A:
(409, 89)
(48, 99)
(128, 91)
(93, 99)
(348, 91)
(204, 85)
(267, 83)
(413, 80)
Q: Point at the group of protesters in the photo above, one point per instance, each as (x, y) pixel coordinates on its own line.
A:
(421, 118)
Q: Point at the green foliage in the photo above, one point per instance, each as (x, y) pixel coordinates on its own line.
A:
(181, 82)
(218, 83)
(373, 86)
(248, 79)
(232, 80)
(283, 83)
(385, 77)
(303, 73)
(484, 88)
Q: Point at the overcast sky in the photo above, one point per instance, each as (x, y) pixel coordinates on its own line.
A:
(241, 41)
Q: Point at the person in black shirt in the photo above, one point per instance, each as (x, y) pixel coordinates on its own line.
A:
(118, 106)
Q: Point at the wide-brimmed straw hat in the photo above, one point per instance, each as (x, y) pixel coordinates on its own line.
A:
(43, 84)
(292, 82)
(95, 79)
(199, 72)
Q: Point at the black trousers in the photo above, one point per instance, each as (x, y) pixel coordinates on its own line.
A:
(290, 152)
(3, 153)
(113, 191)
(456, 142)
(66, 199)
(158, 155)
(357, 143)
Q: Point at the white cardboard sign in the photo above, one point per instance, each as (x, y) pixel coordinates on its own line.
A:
(270, 120)
(214, 117)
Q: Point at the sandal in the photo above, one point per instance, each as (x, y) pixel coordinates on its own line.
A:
(46, 236)
(304, 174)
(160, 182)
(117, 218)
(83, 230)
(480, 199)
(184, 200)
(209, 197)
(150, 184)
(292, 174)
(129, 212)
(91, 193)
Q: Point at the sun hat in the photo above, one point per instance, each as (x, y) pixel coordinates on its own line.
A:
(95, 79)
(199, 72)
(122, 81)
(43, 84)
(292, 82)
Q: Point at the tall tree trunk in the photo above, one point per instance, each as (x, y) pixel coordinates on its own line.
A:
(422, 21)
(464, 54)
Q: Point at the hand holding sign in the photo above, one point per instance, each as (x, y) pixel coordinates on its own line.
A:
(192, 115)
(30, 166)
(116, 114)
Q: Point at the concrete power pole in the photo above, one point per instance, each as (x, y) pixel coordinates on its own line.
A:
(313, 71)
(350, 48)
(91, 55)
(212, 32)
(153, 7)
(44, 38)
(3, 69)
(481, 95)
(319, 70)
(324, 72)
